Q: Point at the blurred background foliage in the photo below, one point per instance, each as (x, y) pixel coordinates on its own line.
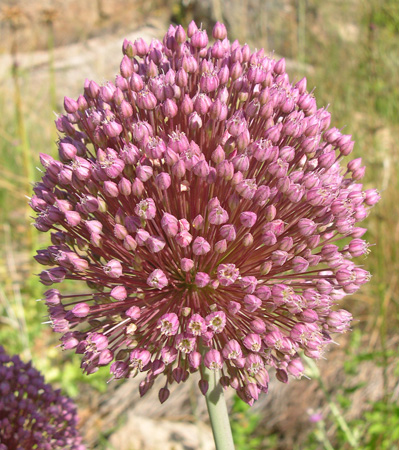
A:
(348, 50)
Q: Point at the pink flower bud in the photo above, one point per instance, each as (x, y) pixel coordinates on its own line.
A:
(194, 359)
(202, 279)
(168, 324)
(157, 279)
(113, 269)
(252, 302)
(213, 360)
(163, 394)
(227, 274)
(219, 31)
(139, 358)
(73, 218)
(248, 219)
(133, 312)
(203, 386)
(216, 321)
(81, 310)
(70, 105)
(201, 246)
(155, 244)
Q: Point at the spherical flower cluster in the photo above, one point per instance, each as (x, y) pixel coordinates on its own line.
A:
(32, 414)
(202, 198)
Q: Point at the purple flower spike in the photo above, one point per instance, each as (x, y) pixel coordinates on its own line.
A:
(32, 413)
(204, 201)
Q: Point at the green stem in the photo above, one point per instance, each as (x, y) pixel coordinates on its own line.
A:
(333, 407)
(217, 410)
(323, 436)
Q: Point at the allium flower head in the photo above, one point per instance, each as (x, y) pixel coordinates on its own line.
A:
(32, 414)
(202, 198)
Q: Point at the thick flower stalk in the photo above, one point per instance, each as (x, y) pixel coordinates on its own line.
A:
(32, 414)
(202, 200)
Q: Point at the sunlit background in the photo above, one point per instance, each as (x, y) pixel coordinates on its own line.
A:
(349, 51)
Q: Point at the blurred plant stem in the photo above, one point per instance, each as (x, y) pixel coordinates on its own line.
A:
(27, 160)
(218, 414)
(339, 418)
(322, 437)
(52, 84)
(13, 304)
(301, 30)
(49, 16)
(21, 130)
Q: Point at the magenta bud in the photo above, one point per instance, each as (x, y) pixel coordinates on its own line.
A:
(110, 189)
(358, 174)
(73, 218)
(203, 386)
(279, 67)
(372, 197)
(355, 164)
(192, 28)
(295, 367)
(70, 105)
(170, 224)
(141, 47)
(248, 219)
(169, 108)
(129, 243)
(81, 310)
(252, 391)
(201, 169)
(233, 307)
(187, 105)
(186, 264)
(133, 312)
(106, 356)
(282, 375)
(125, 186)
(113, 269)
(139, 358)
(144, 173)
(258, 326)
(178, 374)
(299, 264)
(219, 31)
(179, 169)
(128, 48)
(157, 279)
(308, 316)
(136, 82)
(202, 279)
(163, 181)
(67, 151)
(180, 35)
(118, 293)
(252, 302)
(184, 239)
(213, 360)
(194, 121)
(199, 39)
(53, 297)
(163, 394)
(301, 86)
(200, 246)
(220, 246)
(194, 359)
(146, 100)
(198, 222)
(126, 67)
